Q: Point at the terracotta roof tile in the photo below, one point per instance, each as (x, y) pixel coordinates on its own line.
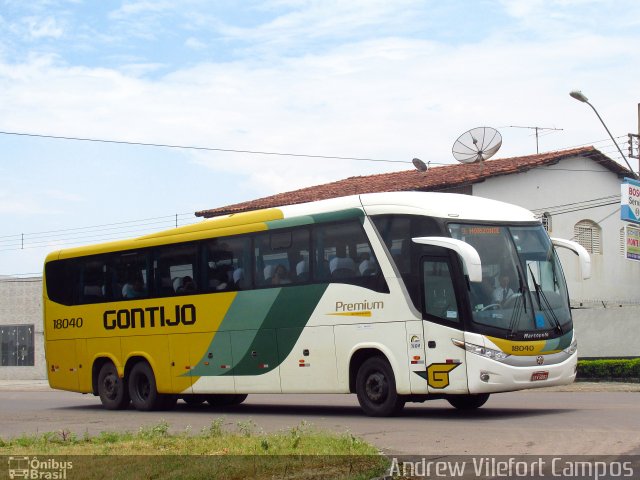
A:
(436, 178)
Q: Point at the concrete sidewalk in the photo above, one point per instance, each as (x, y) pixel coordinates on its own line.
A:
(24, 386)
(43, 386)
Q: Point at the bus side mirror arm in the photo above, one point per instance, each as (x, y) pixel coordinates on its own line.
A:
(469, 255)
(583, 255)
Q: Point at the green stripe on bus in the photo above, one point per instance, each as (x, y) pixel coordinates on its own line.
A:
(347, 214)
(291, 311)
(247, 313)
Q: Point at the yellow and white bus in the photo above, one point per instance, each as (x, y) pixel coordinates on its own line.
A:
(397, 297)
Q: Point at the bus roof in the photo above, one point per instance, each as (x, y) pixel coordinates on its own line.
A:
(441, 205)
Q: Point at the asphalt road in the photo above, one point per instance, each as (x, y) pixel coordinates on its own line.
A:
(529, 422)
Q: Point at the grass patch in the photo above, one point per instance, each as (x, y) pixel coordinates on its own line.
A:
(156, 452)
(607, 369)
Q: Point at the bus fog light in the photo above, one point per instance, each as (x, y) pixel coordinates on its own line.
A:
(484, 376)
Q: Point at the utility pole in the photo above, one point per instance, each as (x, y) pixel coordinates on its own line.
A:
(635, 138)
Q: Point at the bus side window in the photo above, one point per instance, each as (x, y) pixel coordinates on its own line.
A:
(228, 264)
(175, 269)
(129, 278)
(439, 293)
(93, 280)
(62, 281)
(343, 254)
(282, 257)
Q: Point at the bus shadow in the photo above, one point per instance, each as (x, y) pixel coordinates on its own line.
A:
(414, 411)
(411, 411)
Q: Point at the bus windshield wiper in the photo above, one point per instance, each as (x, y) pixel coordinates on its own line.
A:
(515, 315)
(540, 294)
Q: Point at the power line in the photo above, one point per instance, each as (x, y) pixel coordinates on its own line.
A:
(208, 149)
(103, 232)
(608, 197)
(101, 225)
(608, 140)
(585, 208)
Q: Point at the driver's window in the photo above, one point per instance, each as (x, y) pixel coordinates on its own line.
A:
(439, 294)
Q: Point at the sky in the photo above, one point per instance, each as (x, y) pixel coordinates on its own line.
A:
(368, 79)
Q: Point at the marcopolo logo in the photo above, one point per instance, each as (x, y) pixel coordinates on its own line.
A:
(34, 468)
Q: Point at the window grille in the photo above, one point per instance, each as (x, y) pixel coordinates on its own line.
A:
(546, 221)
(588, 234)
(16, 345)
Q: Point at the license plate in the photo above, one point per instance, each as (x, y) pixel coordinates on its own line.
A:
(537, 376)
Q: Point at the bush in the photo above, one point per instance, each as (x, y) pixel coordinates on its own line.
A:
(609, 369)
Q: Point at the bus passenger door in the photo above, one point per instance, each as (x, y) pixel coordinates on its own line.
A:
(445, 370)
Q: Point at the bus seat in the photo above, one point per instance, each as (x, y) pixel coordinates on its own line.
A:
(367, 268)
(93, 293)
(238, 278)
(342, 267)
(268, 273)
(302, 271)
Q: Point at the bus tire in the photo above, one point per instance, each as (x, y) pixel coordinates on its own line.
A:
(142, 389)
(376, 388)
(221, 400)
(468, 402)
(112, 389)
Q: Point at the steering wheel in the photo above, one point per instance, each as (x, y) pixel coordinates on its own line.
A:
(493, 306)
(510, 302)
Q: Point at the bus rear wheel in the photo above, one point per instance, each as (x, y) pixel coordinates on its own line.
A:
(468, 402)
(112, 389)
(376, 388)
(143, 392)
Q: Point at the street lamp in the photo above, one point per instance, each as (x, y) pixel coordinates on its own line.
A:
(578, 95)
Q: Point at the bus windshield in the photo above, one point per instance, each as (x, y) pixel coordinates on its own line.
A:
(523, 294)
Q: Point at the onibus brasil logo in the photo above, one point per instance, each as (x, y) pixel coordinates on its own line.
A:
(33, 468)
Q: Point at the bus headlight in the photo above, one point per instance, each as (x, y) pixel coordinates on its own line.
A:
(482, 351)
(571, 349)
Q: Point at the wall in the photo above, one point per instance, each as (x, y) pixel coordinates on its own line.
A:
(607, 332)
(21, 304)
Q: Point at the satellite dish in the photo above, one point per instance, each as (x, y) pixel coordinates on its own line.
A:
(477, 145)
(420, 165)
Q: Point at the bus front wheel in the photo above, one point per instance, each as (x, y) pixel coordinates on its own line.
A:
(376, 388)
(111, 388)
(143, 392)
(468, 402)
